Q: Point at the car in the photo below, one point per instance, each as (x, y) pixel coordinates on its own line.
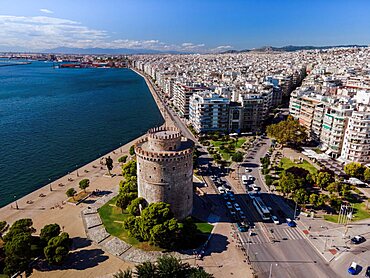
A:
(269, 208)
(291, 223)
(241, 214)
(256, 188)
(225, 196)
(367, 272)
(352, 268)
(275, 219)
(251, 178)
(221, 190)
(229, 205)
(357, 239)
(241, 227)
(247, 170)
(232, 198)
(237, 207)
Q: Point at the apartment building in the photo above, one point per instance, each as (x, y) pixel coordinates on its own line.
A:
(182, 94)
(209, 111)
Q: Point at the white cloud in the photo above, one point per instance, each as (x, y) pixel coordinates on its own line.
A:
(46, 11)
(45, 32)
(221, 48)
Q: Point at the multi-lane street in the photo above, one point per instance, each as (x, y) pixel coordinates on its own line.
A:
(274, 250)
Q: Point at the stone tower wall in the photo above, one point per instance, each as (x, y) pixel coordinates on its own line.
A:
(166, 177)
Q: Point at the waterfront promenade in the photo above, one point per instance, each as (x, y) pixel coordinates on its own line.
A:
(49, 205)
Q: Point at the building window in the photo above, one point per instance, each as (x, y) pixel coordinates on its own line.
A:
(173, 168)
(155, 168)
(150, 177)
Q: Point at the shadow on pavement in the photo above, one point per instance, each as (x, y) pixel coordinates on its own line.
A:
(80, 242)
(78, 260)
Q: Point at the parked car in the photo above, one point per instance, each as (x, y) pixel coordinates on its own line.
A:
(221, 190)
(352, 268)
(229, 205)
(367, 273)
(275, 219)
(241, 227)
(357, 239)
(247, 170)
(242, 215)
(225, 196)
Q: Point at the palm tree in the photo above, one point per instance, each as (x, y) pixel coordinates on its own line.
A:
(146, 270)
(123, 274)
(170, 266)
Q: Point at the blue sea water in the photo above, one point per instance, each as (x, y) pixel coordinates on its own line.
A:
(52, 120)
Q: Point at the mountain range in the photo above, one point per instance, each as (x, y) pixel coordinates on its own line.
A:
(290, 48)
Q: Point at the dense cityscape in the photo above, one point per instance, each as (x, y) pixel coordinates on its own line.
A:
(202, 139)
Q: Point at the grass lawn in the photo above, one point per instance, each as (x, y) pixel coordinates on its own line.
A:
(226, 154)
(360, 213)
(79, 196)
(112, 218)
(287, 163)
(203, 227)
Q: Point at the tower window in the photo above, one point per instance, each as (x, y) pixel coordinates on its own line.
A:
(173, 168)
(161, 180)
(150, 177)
(155, 168)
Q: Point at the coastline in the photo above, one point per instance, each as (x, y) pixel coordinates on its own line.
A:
(86, 171)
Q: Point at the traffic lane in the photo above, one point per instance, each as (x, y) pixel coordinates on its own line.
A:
(294, 259)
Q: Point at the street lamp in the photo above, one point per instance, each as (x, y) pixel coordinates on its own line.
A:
(77, 171)
(16, 204)
(50, 185)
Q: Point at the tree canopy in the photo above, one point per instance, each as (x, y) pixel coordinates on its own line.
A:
(85, 183)
(355, 169)
(287, 132)
(165, 266)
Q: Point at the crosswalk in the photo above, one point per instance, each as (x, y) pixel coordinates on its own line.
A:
(278, 234)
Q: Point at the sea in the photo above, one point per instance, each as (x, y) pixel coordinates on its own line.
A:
(55, 120)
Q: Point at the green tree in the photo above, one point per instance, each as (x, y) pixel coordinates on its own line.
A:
(287, 132)
(17, 248)
(85, 183)
(323, 198)
(323, 179)
(333, 187)
(170, 266)
(367, 174)
(165, 235)
(269, 180)
(237, 157)
(122, 159)
(134, 207)
(57, 249)
(132, 150)
(48, 232)
(355, 169)
(289, 183)
(146, 270)
(199, 273)
(123, 274)
(124, 199)
(313, 199)
(300, 196)
(129, 169)
(71, 192)
(335, 203)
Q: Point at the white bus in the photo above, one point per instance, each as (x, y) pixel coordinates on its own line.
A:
(261, 208)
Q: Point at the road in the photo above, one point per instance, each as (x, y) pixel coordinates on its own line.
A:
(273, 250)
(276, 250)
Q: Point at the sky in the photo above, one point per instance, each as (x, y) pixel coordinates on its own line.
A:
(188, 25)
